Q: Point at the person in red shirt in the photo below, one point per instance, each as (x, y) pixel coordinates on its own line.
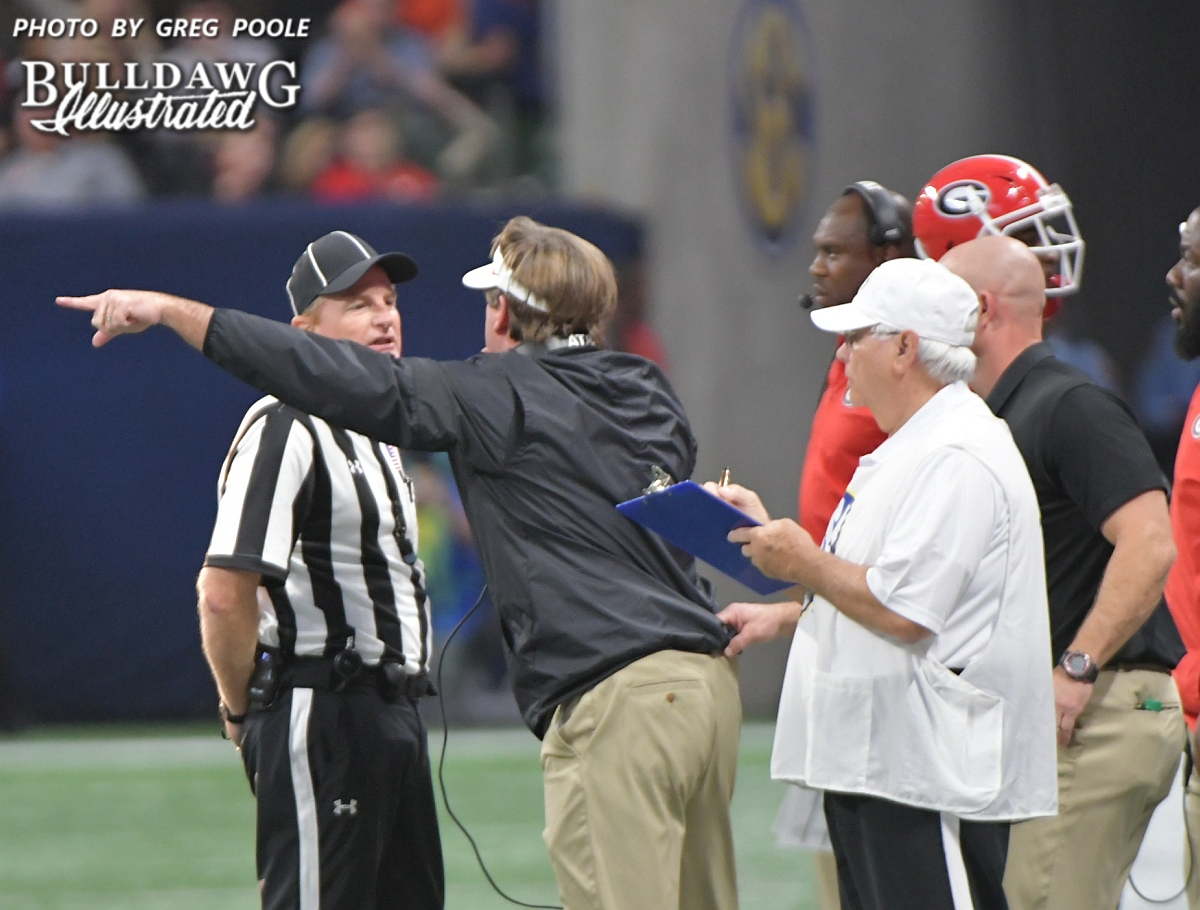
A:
(371, 165)
(435, 18)
(1183, 582)
(630, 330)
(866, 226)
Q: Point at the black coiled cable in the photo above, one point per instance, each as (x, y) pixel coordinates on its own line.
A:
(442, 763)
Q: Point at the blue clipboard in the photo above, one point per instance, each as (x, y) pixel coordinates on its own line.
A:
(695, 520)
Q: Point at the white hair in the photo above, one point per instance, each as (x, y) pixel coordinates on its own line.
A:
(945, 363)
(948, 363)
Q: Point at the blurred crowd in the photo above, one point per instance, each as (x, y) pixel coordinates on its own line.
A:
(401, 100)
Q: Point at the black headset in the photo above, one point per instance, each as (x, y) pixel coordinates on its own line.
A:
(886, 227)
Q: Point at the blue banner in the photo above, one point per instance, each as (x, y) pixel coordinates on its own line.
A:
(109, 458)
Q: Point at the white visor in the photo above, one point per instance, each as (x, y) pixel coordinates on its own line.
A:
(499, 276)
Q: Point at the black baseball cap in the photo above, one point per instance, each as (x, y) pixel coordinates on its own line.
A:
(335, 262)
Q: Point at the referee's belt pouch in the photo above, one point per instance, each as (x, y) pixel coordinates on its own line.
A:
(264, 681)
(388, 678)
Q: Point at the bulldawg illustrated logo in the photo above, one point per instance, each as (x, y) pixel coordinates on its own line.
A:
(99, 96)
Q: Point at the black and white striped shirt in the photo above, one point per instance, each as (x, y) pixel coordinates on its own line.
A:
(329, 519)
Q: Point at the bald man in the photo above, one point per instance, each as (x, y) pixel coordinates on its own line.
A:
(1108, 550)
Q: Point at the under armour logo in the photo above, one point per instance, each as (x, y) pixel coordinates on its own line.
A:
(341, 808)
(354, 465)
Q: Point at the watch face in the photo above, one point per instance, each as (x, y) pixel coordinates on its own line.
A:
(1077, 664)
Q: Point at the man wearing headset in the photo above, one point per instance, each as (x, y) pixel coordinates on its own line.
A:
(866, 226)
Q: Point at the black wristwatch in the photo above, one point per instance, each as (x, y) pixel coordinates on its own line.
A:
(1079, 666)
(229, 716)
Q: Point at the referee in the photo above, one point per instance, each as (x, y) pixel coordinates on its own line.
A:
(315, 622)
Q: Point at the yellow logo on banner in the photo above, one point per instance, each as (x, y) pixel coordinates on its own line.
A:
(772, 115)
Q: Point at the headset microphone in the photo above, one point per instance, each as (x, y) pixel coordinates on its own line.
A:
(806, 301)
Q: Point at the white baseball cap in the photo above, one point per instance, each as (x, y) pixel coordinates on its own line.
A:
(496, 274)
(916, 294)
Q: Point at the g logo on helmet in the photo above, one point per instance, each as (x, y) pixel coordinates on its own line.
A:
(772, 116)
(964, 198)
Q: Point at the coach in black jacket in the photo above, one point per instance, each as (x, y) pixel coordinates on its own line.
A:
(618, 664)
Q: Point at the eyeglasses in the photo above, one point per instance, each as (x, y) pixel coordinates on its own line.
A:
(853, 338)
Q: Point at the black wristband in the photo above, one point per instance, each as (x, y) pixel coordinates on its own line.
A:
(228, 716)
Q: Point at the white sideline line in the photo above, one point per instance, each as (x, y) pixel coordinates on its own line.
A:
(117, 754)
(132, 753)
(149, 899)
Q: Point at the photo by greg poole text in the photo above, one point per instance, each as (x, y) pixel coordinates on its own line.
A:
(99, 96)
(164, 28)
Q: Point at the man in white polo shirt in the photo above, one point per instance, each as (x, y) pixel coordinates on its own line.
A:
(917, 694)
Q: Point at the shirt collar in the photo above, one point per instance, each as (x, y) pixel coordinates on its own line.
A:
(1017, 371)
(934, 411)
(556, 343)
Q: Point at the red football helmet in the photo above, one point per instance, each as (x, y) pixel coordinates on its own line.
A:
(996, 194)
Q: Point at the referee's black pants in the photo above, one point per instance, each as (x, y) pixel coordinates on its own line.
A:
(896, 857)
(346, 813)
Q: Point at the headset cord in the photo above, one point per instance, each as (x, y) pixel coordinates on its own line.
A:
(442, 764)
(1187, 837)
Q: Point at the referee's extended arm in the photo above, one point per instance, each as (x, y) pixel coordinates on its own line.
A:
(118, 312)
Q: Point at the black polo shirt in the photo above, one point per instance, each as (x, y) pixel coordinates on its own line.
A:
(1087, 458)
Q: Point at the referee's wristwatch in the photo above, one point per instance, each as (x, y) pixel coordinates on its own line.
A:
(229, 716)
(1079, 666)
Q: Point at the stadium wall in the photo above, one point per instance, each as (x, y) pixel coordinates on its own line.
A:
(110, 458)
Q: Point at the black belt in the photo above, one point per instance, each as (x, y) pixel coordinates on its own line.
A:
(1135, 665)
(389, 679)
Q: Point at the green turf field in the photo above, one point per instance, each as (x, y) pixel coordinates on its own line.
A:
(157, 819)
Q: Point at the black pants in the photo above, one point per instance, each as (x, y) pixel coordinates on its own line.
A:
(894, 857)
(346, 814)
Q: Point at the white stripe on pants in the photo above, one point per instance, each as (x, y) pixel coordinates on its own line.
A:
(306, 803)
(960, 885)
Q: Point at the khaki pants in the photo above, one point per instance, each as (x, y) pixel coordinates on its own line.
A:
(1119, 766)
(1191, 817)
(639, 775)
(825, 866)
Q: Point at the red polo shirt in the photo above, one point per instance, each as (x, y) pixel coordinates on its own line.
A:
(1183, 584)
(841, 435)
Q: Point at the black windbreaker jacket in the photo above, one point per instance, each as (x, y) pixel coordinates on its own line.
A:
(544, 444)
